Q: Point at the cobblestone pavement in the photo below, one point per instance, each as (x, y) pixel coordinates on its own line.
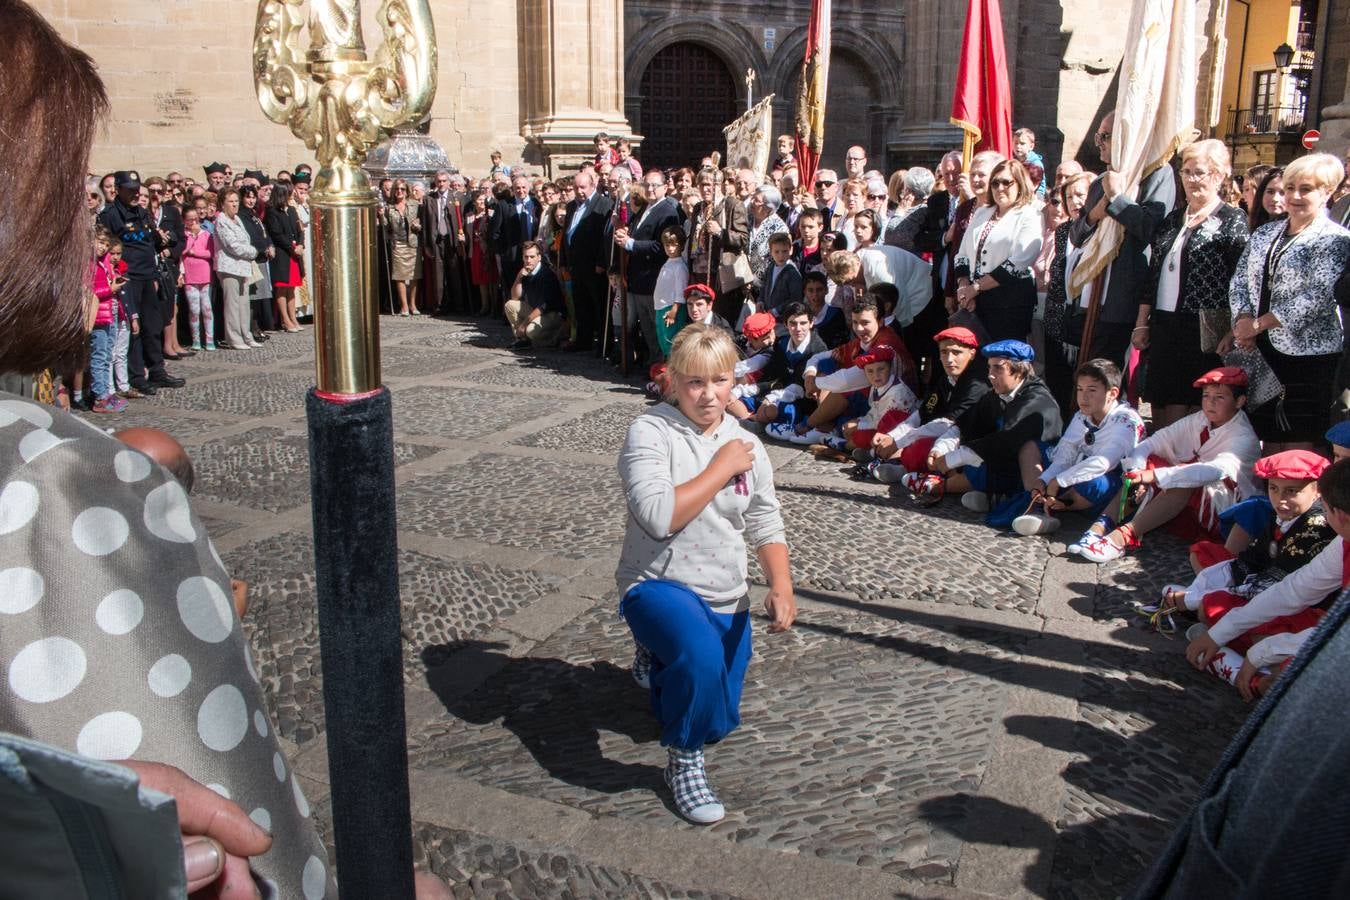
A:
(957, 711)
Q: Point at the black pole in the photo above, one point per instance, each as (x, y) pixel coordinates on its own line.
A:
(351, 445)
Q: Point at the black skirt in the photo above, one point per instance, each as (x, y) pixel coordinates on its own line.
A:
(1175, 360)
(1305, 406)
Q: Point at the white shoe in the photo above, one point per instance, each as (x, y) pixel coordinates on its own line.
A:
(779, 431)
(688, 781)
(814, 436)
(253, 345)
(1101, 550)
(975, 501)
(1032, 523)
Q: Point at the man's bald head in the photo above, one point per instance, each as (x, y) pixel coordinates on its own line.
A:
(163, 449)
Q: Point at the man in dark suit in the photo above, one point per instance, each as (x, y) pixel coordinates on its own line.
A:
(646, 257)
(515, 222)
(1126, 274)
(442, 216)
(585, 254)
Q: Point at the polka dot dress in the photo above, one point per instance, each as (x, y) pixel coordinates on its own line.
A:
(118, 637)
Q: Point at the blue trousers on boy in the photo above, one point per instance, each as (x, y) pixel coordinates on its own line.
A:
(699, 658)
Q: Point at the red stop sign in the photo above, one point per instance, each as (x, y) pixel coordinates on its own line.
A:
(1310, 138)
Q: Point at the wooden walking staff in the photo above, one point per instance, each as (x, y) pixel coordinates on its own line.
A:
(340, 103)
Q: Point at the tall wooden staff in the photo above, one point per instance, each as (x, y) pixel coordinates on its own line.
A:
(340, 103)
(615, 218)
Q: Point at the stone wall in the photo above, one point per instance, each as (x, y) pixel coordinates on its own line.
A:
(178, 74)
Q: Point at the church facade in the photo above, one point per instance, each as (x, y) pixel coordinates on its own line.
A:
(536, 79)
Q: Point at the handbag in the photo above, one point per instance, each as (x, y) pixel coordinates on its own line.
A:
(1214, 324)
(734, 272)
(1263, 385)
(255, 274)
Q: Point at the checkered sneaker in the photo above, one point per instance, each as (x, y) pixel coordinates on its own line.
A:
(688, 781)
(642, 666)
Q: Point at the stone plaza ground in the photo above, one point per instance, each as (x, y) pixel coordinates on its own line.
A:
(957, 712)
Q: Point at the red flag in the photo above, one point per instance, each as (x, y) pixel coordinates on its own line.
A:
(811, 93)
(982, 104)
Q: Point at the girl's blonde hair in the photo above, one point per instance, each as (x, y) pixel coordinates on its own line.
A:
(702, 350)
(843, 265)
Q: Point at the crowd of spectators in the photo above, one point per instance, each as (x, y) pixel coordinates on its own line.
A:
(922, 325)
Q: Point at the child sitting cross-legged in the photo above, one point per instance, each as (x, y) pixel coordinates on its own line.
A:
(1189, 472)
(1084, 473)
(782, 395)
(757, 332)
(1292, 605)
(949, 400)
(837, 385)
(1005, 442)
(1267, 538)
(890, 403)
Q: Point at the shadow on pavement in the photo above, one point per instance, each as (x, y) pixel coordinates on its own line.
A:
(554, 707)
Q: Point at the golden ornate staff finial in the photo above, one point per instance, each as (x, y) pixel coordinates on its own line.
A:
(341, 103)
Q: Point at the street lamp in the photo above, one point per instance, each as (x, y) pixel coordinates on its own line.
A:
(1284, 56)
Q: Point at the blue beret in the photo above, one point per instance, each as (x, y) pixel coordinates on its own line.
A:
(1018, 350)
(1340, 434)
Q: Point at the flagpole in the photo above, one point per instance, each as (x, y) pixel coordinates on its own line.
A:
(967, 148)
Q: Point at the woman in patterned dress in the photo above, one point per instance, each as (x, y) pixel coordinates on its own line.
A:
(1183, 314)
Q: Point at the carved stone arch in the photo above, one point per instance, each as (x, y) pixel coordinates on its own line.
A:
(873, 111)
(882, 64)
(732, 43)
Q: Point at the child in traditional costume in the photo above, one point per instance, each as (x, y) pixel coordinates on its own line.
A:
(1084, 473)
(1189, 472)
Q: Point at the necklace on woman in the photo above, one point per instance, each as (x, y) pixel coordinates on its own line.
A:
(1192, 221)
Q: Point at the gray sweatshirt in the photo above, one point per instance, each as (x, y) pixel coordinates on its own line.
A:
(665, 449)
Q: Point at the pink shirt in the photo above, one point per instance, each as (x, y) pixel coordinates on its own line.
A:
(198, 252)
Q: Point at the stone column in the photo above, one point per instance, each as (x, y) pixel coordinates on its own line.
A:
(932, 45)
(572, 77)
(1335, 124)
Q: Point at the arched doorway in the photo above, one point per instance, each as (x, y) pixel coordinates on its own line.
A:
(848, 119)
(688, 97)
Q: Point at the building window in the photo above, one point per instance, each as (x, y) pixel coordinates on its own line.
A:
(1265, 100)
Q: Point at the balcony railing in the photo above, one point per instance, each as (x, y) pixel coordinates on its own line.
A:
(1270, 120)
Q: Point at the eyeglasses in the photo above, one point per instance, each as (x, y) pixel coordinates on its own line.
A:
(855, 159)
(155, 190)
(877, 197)
(1002, 182)
(1195, 174)
(652, 185)
(824, 183)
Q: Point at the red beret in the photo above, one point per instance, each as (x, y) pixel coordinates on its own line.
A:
(759, 324)
(1230, 375)
(877, 354)
(699, 288)
(1297, 465)
(960, 335)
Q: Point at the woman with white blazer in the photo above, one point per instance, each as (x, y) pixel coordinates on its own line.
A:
(235, 258)
(993, 266)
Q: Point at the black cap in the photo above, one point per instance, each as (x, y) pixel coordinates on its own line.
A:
(254, 173)
(127, 180)
(215, 168)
